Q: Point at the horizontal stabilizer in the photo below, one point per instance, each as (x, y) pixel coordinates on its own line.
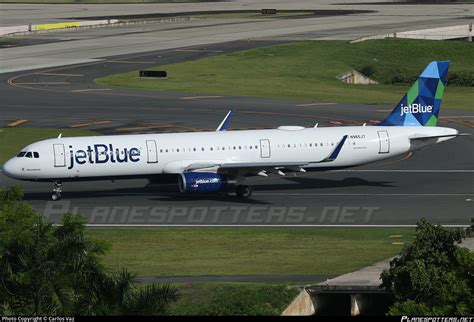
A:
(426, 137)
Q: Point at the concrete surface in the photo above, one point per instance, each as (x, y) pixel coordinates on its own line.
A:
(395, 192)
(85, 46)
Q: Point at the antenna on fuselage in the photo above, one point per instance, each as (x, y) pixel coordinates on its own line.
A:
(59, 136)
(316, 125)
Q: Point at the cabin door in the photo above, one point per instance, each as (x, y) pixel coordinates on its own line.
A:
(59, 155)
(384, 142)
(265, 148)
(152, 153)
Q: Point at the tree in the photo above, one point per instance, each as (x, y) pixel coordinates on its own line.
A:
(432, 275)
(46, 269)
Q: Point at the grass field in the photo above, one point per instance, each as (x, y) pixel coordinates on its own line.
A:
(308, 70)
(232, 299)
(6, 40)
(247, 251)
(13, 139)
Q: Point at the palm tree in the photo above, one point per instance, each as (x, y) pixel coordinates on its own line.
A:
(57, 270)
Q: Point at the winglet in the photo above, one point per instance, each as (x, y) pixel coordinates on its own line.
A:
(225, 122)
(336, 151)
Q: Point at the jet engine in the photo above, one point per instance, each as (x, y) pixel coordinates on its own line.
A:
(204, 182)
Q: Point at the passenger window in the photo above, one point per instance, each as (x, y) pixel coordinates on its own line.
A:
(21, 154)
(28, 155)
(36, 155)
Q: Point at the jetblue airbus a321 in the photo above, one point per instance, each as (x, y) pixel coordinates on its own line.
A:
(220, 161)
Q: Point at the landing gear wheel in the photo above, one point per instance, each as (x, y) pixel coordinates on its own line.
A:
(243, 192)
(57, 191)
(55, 196)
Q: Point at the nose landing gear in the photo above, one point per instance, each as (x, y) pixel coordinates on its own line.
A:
(57, 191)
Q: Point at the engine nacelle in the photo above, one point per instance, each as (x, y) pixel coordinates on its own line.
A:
(203, 182)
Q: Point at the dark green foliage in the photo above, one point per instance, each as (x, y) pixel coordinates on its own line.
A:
(432, 275)
(367, 70)
(461, 79)
(56, 270)
(233, 299)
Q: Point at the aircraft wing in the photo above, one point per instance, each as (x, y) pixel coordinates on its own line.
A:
(266, 165)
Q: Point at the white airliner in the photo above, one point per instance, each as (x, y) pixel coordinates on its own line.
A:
(220, 161)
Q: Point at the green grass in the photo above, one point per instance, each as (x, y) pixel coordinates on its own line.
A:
(247, 251)
(232, 299)
(6, 40)
(14, 139)
(308, 70)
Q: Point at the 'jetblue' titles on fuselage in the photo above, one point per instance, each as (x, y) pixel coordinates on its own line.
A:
(415, 108)
(102, 153)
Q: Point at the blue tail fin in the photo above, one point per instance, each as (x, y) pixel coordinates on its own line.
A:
(420, 105)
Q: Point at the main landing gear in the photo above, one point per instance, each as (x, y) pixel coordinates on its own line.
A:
(243, 191)
(57, 191)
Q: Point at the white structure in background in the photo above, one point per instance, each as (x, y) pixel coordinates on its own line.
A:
(443, 33)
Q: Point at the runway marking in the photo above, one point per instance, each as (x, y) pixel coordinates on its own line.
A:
(89, 124)
(397, 243)
(139, 128)
(198, 97)
(462, 122)
(131, 62)
(301, 115)
(44, 83)
(369, 194)
(315, 104)
(199, 50)
(377, 164)
(395, 236)
(262, 225)
(90, 90)
(54, 74)
(407, 171)
(459, 116)
(17, 122)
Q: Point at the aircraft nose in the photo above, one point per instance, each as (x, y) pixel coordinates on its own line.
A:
(9, 168)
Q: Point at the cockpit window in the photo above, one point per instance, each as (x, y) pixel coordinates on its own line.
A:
(36, 155)
(29, 155)
(21, 154)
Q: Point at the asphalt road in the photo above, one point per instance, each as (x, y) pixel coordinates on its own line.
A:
(92, 45)
(437, 183)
